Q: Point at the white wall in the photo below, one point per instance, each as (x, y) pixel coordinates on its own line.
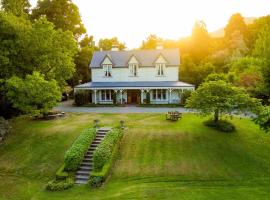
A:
(144, 74)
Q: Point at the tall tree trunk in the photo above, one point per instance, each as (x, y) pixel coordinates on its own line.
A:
(216, 115)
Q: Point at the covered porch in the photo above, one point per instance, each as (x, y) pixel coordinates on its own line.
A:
(135, 92)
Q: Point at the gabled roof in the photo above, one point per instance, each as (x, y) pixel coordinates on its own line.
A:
(145, 57)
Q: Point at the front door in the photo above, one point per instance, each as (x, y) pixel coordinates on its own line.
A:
(133, 96)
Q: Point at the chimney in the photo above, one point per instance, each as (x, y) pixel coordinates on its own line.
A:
(159, 46)
(115, 47)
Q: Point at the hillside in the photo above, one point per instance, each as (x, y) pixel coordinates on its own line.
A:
(158, 159)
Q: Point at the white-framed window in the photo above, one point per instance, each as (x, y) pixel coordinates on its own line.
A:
(133, 68)
(160, 69)
(159, 94)
(107, 70)
(106, 95)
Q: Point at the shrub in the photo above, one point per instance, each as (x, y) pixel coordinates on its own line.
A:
(221, 125)
(114, 98)
(147, 101)
(97, 178)
(104, 151)
(82, 97)
(59, 185)
(75, 154)
(184, 96)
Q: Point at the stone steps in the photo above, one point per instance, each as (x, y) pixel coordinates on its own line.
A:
(83, 172)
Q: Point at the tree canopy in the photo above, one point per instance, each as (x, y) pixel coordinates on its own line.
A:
(16, 7)
(106, 44)
(64, 14)
(33, 95)
(220, 98)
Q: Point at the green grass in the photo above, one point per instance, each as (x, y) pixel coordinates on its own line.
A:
(158, 159)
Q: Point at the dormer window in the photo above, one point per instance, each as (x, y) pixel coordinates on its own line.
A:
(107, 70)
(160, 67)
(133, 68)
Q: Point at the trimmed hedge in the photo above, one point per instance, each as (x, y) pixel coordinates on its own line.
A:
(75, 154)
(97, 177)
(104, 156)
(59, 185)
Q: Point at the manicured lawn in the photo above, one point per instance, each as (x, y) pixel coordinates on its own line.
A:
(158, 159)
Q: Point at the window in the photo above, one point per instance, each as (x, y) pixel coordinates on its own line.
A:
(133, 69)
(160, 69)
(107, 70)
(106, 95)
(159, 95)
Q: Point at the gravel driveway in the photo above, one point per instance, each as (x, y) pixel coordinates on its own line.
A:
(68, 107)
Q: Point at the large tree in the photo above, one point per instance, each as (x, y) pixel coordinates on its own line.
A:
(262, 51)
(151, 42)
(16, 7)
(107, 43)
(200, 42)
(33, 95)
(219, 98)
(26, 47)
(64, 14)
(236, 23)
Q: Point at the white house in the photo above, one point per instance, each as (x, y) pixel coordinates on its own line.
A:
(135, 76)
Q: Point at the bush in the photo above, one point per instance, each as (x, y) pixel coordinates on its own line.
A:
(221, 125)
(97, 178)
(147, 101)
(75, 154)
(82, 97)
(184, 96)
(59, 185)
(104, 151)
(114, 97)
(4, 128)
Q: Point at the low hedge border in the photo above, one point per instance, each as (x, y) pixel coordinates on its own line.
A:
(59, 185)
(75, 154)
(100, 173)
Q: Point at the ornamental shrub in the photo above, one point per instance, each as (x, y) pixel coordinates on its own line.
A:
(75, 154)
(59, 185)
(82, 97)
(104, 151)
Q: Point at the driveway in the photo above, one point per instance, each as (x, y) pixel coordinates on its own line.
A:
(68, 107)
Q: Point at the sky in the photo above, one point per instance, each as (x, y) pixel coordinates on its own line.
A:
(133, 20)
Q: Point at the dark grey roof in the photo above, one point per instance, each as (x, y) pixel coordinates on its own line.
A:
(145, 57)
(137, 84)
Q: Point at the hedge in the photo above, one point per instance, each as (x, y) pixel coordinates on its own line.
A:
(82, 97)
(104, 156)
(75, 154)
(97, 177)
(59, 185)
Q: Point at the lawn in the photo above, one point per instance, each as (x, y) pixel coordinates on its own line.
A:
(158, 159)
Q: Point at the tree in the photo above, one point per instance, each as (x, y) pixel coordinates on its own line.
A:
(263, 118)
(54, 56)
(151, 42)
(262, 51)
(106, 44)
(64, 14)
(236, 23)
(16, 7)
(33, 95)
(26, 47)
(200, 42)
(220, 98)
